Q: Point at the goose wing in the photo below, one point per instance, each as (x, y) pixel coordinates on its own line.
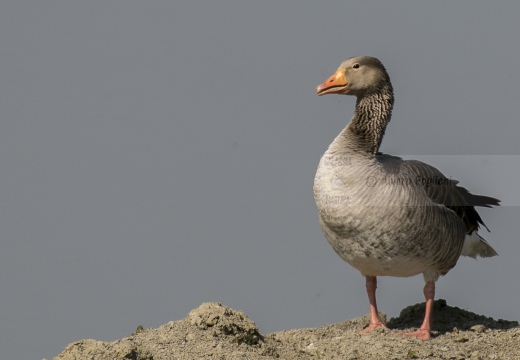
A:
(445, 191)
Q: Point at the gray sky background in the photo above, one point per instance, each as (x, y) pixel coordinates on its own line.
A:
(157, 155)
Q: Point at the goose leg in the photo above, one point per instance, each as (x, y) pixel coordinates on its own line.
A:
(424, 332)
(375, 321)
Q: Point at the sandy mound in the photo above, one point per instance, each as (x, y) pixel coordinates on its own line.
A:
(214, 331)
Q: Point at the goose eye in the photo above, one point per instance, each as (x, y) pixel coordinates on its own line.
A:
(355, 66)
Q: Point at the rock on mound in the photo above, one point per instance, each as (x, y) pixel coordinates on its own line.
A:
(226, 323)
(211, 330)
(446, 318)
(214, 331)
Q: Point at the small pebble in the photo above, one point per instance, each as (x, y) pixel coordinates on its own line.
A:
(478, 328)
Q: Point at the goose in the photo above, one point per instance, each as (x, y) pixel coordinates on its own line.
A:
(383, 215)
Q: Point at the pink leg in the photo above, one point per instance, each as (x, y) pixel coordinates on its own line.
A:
(424, 332)
(375, 321)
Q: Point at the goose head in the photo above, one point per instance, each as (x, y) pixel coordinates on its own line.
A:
(358, 76)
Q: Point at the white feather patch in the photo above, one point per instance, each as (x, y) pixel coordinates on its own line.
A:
(474, 246)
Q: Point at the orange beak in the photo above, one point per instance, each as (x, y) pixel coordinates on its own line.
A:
(336, 84)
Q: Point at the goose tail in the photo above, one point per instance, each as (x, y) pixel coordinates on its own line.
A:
(475, 245)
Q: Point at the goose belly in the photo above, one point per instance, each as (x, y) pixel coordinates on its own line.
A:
(394, 241)
(383, 253)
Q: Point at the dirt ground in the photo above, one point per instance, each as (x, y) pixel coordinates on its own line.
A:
(214, 331)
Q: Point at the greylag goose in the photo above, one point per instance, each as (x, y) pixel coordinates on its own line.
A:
(383, 215)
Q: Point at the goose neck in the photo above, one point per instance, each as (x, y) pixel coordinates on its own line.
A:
(367, 127)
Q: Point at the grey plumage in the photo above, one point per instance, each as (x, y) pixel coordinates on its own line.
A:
(382, 214)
